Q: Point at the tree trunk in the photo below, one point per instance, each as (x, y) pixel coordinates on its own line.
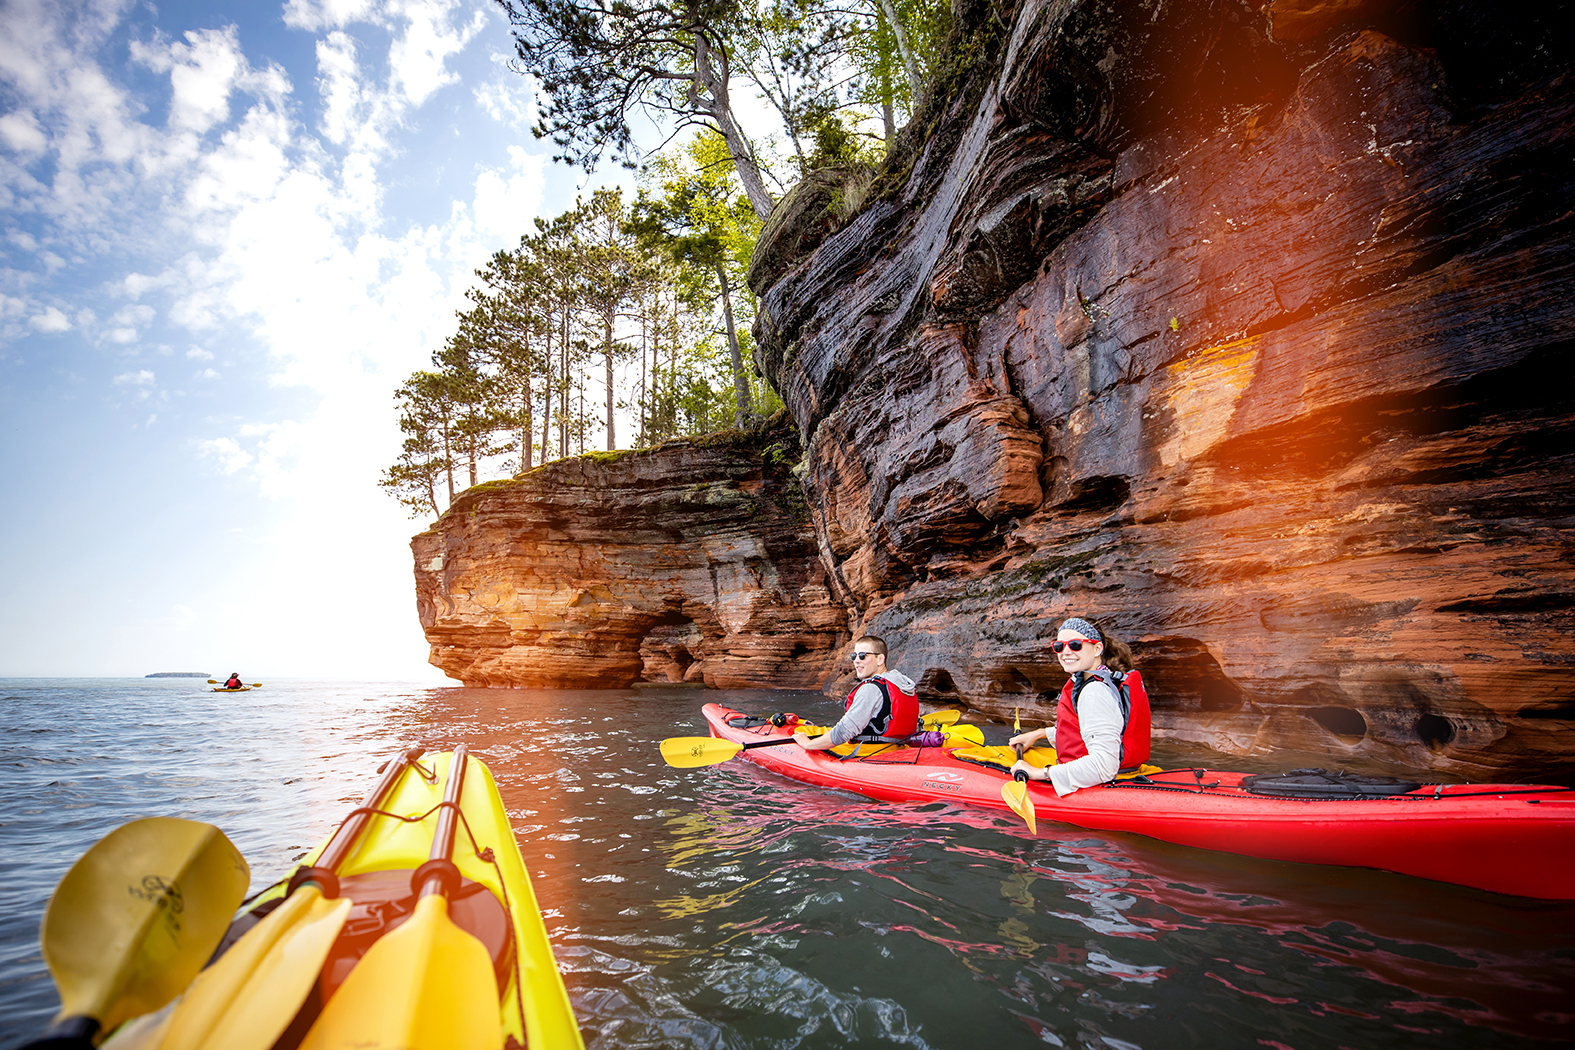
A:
(564, 388)
(546, 408)
(708, 92)
(607, 358)
(909, 63)
(740, 382)
(525, 422)
(448, 460)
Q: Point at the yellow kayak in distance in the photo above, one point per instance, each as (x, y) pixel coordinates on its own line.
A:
(412, 927)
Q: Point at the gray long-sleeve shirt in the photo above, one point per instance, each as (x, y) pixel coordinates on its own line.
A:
(866, 705)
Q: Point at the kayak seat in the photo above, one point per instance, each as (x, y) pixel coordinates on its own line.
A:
(381, 901)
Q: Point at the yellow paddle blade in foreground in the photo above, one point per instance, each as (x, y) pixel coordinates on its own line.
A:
(247, 999)
(136, 917)
(427, 985)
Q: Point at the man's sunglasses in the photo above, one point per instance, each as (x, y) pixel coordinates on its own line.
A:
(859, 656)
(1076, 645)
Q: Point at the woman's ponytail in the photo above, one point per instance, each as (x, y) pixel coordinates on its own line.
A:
(1118, 657)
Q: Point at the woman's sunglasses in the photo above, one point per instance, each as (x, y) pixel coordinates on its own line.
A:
(1076, 645)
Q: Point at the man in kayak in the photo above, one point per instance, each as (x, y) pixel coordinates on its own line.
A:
(882, 706)
(234, 682)
(1102, 718)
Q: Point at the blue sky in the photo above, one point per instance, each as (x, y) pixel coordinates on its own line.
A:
(228, 231)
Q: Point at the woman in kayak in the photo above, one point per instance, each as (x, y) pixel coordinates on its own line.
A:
(234, 682)
(1099, 729)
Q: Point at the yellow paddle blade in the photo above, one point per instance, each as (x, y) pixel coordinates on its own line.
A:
(959, 735)
(427, 985)
(944, 717)
(138, 914)
(1015, 793)
(247, 999)
(686, 752)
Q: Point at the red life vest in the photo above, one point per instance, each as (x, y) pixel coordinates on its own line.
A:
(1134, 717)
(899, 711)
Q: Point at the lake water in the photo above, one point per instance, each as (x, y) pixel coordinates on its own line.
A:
(726, 907)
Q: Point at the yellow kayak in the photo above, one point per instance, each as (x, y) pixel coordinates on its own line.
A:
(412, 927)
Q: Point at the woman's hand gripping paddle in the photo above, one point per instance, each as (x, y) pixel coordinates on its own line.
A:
(134, 920)
(1015, 793)
(427, 985)
(247, 999)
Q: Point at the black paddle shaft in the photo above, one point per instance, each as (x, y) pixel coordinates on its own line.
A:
(439, 874)
(325, 872)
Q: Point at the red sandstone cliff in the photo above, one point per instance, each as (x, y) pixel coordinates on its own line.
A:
(1243, 326)
(694, 562)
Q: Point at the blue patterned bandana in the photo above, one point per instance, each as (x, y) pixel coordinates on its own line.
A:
(1083, 627)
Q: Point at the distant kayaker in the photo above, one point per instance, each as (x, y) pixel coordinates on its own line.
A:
(882, 705)
(1098, 730)
(234, 682)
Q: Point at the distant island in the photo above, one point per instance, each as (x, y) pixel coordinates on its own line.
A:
(178, 674)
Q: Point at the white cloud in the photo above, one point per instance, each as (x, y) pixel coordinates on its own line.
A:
(197, 353)
(22, 132)
(419, 57)
(313, 15)
(505, 202)
(50, 321)
(228, 452)
(135, 284)
(138, 378)
(136, 314)
(506, 101)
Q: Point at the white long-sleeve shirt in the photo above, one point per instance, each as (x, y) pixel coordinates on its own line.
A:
(1099, 719)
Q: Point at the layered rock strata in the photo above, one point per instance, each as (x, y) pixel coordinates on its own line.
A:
(1257, 348)
(694, 562)
(1243, 327)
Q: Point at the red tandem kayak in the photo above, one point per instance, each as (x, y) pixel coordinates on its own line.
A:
(1508, 838)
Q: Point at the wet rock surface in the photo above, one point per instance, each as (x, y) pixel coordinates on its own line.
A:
(1245, 329)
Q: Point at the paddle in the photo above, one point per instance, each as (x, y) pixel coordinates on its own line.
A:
(247, 999)
(426, 985)
(215, 681)
(134, 920)
(687, 752)
(1015, 792)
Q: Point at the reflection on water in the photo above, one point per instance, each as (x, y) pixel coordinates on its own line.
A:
(727, 907)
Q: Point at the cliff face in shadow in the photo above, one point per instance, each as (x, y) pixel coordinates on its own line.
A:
(1246, 331)
(1242, 327)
